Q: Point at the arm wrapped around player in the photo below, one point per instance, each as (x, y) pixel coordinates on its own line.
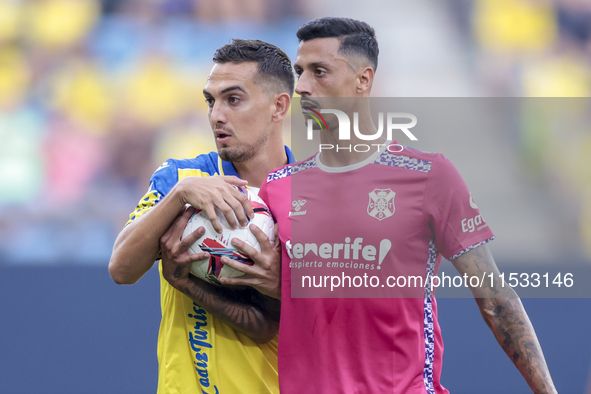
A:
(244, 309)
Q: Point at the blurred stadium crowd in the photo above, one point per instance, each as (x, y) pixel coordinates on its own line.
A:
(94, 95)
(540, 48)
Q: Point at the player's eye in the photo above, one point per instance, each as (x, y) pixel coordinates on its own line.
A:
(209, 101)
(233, 100)
(298, 72)
(319, 72)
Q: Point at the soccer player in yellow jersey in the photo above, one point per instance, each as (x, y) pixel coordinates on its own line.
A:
(216, 339)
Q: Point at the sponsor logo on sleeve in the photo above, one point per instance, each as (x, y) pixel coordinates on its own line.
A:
(475, 223)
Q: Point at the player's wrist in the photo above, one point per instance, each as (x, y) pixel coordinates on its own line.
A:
(176, 276)
(179, 194)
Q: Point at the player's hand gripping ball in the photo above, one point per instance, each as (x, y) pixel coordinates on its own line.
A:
(219, 245)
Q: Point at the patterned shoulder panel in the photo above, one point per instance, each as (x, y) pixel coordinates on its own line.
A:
(410, 163)
(280, 173)
(151, 198)
(291, 169)
(305, 165)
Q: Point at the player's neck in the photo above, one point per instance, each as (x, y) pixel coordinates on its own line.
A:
(341, 153)
(255, 170)
(344, 158)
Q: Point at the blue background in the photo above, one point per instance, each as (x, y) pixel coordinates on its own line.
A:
(70, 329)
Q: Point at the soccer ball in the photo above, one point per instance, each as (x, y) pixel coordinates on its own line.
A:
(219, 245)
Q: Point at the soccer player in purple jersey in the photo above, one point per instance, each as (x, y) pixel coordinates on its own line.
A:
(376, 345)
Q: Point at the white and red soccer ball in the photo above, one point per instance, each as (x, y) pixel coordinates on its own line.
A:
(219, 245)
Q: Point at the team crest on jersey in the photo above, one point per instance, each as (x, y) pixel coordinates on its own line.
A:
(381, 203)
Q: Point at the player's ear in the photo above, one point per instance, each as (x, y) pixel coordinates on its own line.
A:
(364, 80)
(282, 102)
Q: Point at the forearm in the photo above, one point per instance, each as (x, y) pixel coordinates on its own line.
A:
(137, 246)
(513, 330)
(257, 317)
(504, 314)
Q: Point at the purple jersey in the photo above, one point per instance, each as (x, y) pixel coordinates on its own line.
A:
(393, 215)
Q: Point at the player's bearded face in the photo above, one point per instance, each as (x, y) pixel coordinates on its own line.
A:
(237, 108)
(242, 150)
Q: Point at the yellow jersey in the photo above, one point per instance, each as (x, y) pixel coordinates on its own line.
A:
(198, 353)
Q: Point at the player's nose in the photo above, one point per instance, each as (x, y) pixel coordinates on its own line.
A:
(217, 114)
(304, 85)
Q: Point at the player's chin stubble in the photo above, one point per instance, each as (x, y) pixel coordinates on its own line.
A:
(243, 152)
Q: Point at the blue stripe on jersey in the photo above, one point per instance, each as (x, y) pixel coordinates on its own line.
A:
(228, 168)
(428, 321)
(410, 163)
(167, 175)
(290, 157)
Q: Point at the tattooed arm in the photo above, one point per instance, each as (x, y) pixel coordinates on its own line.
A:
(504, 314)
(242, 308)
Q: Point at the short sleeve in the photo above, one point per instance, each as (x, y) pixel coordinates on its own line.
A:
(454, 217)
(162, 180)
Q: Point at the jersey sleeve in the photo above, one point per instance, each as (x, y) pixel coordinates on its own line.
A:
(162, 180)
(452, 214)
(263, 193)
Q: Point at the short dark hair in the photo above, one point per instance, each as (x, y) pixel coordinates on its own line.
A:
(356, 37)
(272, 61)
